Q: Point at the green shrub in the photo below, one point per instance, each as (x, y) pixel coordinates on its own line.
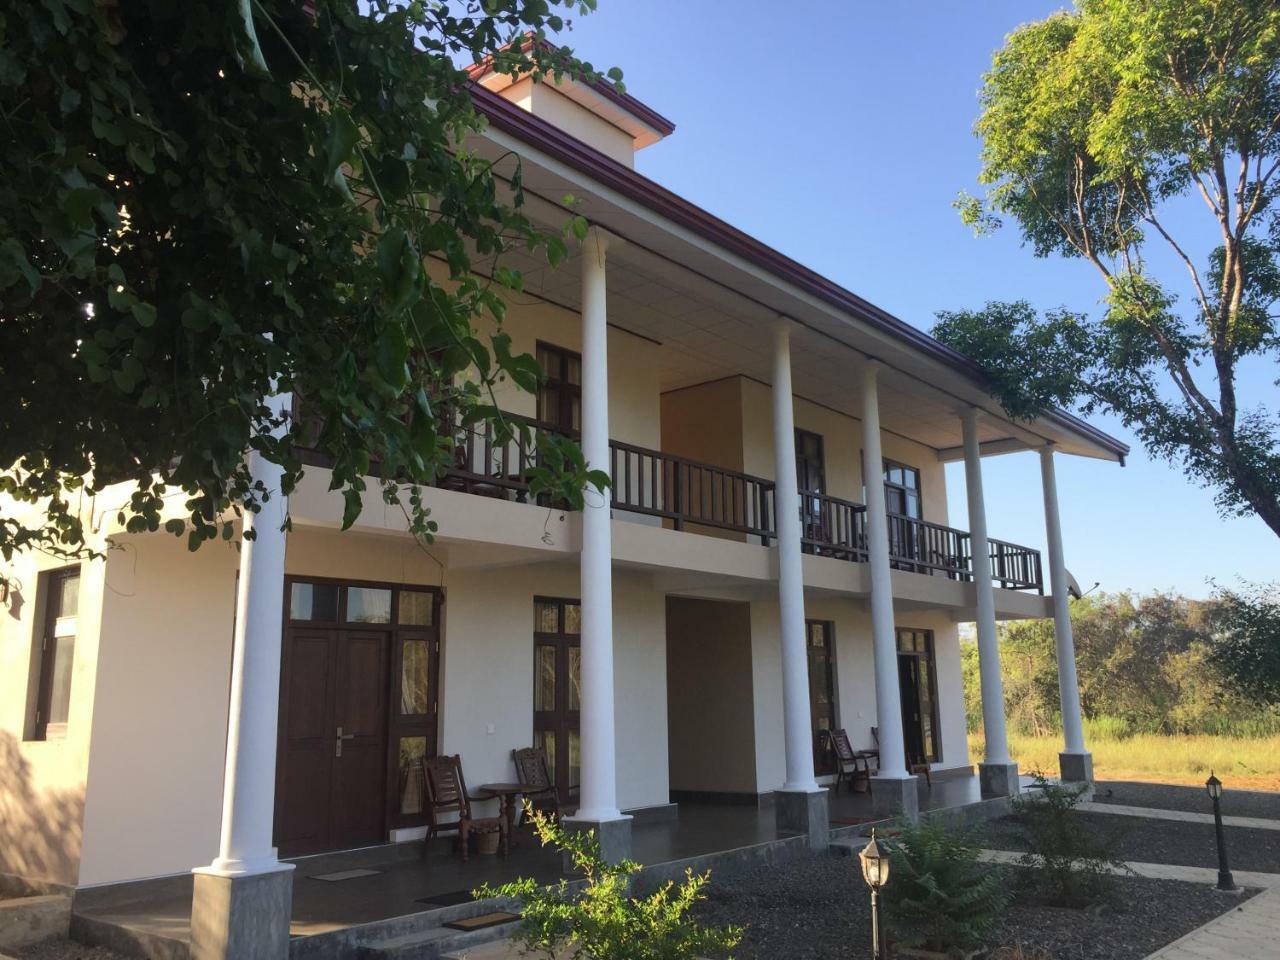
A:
(938, 897)
(600, 919)
(1070, 864)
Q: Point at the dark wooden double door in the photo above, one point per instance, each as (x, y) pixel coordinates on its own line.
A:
(331, 789)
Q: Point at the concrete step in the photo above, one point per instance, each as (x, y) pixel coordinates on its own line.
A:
(846, 848)
(435, 943)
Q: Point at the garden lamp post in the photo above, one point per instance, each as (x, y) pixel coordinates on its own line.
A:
(875, 870)
(1225, 880)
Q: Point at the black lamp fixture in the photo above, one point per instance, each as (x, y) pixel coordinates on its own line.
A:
(1214, 787)
(875, 870)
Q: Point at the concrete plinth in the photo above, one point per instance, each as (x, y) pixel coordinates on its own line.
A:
(895, 797)
(243, 917)
(614, 836)
(998, 779)
(1076, 767)
(803, 812)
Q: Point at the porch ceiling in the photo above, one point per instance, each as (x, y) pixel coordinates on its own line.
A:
(713, 312)
(709, 331)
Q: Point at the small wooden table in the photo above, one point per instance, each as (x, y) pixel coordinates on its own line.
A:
(507, 793)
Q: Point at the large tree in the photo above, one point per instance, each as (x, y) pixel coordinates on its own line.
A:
(205, 203)
(1103, 129)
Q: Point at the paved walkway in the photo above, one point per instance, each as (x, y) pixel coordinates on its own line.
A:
(1164, 871)
(1249, 932)
(1151, 813)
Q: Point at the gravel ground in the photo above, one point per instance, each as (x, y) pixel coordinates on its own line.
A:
(63, 950)
(817, 908)
(1165, 796)
(1161, 841)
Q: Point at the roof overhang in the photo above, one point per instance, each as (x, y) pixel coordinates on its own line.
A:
(670, 230)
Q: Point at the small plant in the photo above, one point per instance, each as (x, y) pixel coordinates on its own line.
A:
(599, 919)
(939, 898)
(1072, 866)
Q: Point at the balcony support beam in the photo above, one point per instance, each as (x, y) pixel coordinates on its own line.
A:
(998, 776)
(801, 804)
(1075, 761)
(598, 808)
(894, 791)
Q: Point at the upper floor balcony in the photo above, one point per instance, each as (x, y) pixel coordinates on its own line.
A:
(688, 494)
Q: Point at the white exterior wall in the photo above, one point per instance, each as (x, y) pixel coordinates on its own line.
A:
(855, 681)
(153, 799)
(487, 673)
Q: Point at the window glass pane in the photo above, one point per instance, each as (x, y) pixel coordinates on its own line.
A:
(546, 617)
(416, 608)
(544, 677)
(548, 404)
(413, 750)
(68, 596)
(60, 682)
(313, 601)
(547, 740)
(912, 478)
(368, 605)
(575, 414)
(575, 678)
(415, 678)
(575, 759)
(574, 372)
(547, 360)
(572, 619)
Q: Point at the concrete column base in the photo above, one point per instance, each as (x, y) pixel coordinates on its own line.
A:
(998, 779)
(895, 797)
(242, 917)
(1076, 767)
(614, 837)
(803, 812)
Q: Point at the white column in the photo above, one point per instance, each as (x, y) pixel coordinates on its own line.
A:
(993, 722)
(795, 662)
(883, 638)
(248, 794)
(599, 789)
(1068, 686)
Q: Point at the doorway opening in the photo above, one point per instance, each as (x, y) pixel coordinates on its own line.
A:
(359, 711)
(917, 686)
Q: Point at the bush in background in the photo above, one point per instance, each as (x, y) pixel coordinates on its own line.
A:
(939, 898)
(601, 920)
(1069, 864)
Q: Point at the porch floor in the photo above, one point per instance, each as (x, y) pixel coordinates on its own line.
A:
(407, 883)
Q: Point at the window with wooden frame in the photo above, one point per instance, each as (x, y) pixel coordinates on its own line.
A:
(560, 393)
(557, 688)
(820, 647)
(918, 689)
(902, 490)
(57, 601)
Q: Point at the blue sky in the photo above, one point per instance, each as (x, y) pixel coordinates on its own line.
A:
(840, 133)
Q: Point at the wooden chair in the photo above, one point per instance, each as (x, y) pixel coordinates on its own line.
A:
(852, 765)
(914, 764)
(446, 794)
(532, 770)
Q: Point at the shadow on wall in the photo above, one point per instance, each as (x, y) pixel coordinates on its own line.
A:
(39, 828)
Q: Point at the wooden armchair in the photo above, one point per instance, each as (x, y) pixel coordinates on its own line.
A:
(914, 764)
(532, 770)
(852, 765)
(446, 794)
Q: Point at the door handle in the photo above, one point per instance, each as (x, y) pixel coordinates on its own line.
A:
(337, 744)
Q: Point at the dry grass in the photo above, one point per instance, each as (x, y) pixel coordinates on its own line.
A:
(1248, 763)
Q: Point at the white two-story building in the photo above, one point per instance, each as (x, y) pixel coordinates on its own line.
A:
(774, 561)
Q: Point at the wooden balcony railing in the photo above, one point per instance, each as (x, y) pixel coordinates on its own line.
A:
(1015, 567)
(684, 491)
(831, 527)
